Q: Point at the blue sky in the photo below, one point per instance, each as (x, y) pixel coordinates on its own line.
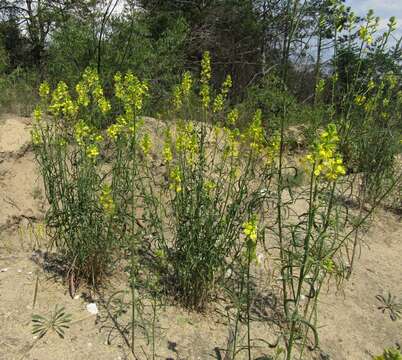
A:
(382, 8)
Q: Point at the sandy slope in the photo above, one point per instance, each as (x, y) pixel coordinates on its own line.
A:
(352, 326)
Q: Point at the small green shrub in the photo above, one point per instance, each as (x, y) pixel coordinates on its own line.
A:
(18, 92)
(389, 354)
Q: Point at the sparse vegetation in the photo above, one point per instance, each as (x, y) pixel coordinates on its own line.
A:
(237, 170)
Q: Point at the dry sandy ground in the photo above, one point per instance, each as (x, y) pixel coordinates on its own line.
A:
(352, 326)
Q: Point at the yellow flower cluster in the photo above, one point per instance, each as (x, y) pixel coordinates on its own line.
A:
(81, 132)
(37, 114)
(167, 153)
(273, 148)
(360, 100)
(114, 131)
(146, 144)
(44, 90)
(220, 98)
(324, 158)
(232, 144)
(255, 133)
(176, 179)
(186, 84)
(186, 141)
(329, 265)
(87, 138)
(365, 35)
(90, 85)
(205, 78)
(104, 105)
(319, 88)
(250, 229)
(61, 103)
(167, 147)
(182, 91)
(82, 92)
(233, 117)
(177, 97)
(106, 200)
(36, 136)
(92, 151)
(209, 185)
(131, 91)
(369, 105)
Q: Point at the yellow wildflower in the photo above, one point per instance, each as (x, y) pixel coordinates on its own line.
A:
(175, 177)
(186, 141)
(360, 100)
(365, 36)
(131, 91)
(220, 98)
(36, 137)
(104, 105)
(82, 92)
(44, 90)
(177, 97)
(81, 132)
(329, 265)
(61, 103)
(273, 148)
(324, 158)
(231, 149)
(226, 86)
(93, 151)
(255, 132)
(146, 144)
(233, 116)
(209, 185)
(167, 153)
(250, 229)
(320, 86)
(97, 138)
(186, 84)
(205, 78)
(218, 103)
(106, 200)
(114, 131)
(37, 114)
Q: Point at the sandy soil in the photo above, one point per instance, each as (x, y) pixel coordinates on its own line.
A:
(352, 326)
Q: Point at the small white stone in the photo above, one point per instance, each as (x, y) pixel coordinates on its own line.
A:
(19, 271)
(92, 308)
(29, 273)
(76, 297)
(228, 273)
(4, 270)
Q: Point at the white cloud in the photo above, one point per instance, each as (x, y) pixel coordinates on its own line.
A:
(382, 8)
